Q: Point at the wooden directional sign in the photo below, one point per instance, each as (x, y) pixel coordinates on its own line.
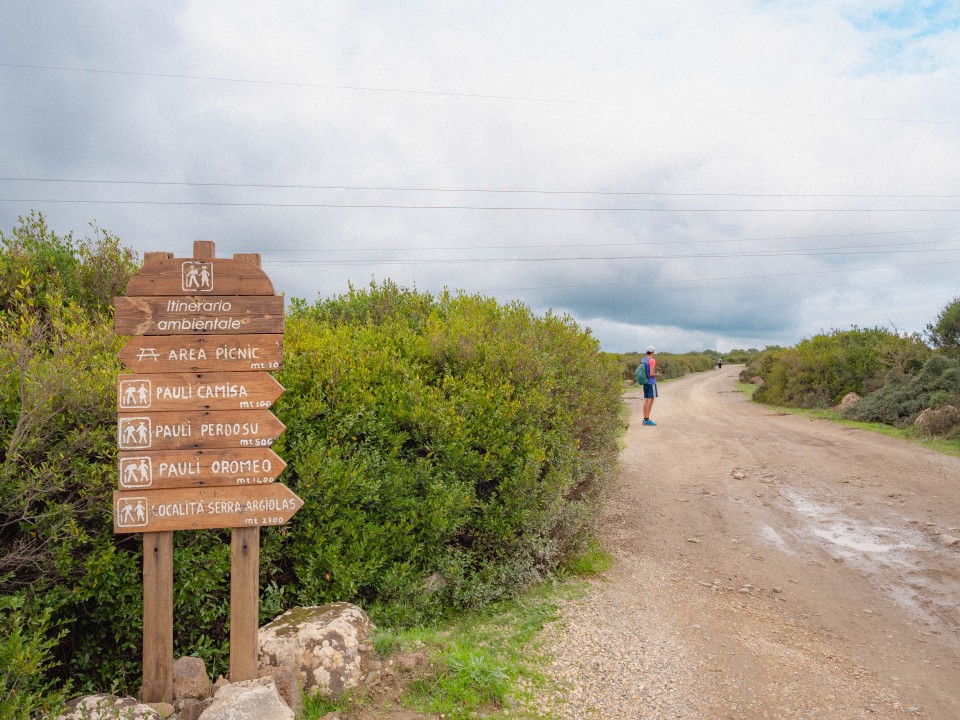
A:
(197, 429)
(193, 453)
(192, 276)
(203, 508)
(198, 315)
(197, 391)
(157, 470)
(202, 353)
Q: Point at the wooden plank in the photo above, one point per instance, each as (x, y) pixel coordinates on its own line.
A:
(204, 249)
(244, 603)
(157, 617)
(193, 276)
(198, 468)
(197, 391)
(252, 258)
(197, 429)
(203, 508)
(202, 353)
(193, 315)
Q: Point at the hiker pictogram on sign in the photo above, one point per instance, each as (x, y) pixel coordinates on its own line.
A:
(136, 472)
(197, 276)
(133, 433)
(131, 512)
(135, 394)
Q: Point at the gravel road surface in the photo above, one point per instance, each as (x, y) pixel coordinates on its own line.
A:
(767, 566)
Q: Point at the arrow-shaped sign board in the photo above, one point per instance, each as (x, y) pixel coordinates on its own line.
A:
(197, 391)
(198, 468)
(202, 353)
(198, 315)
(203, 508)
(197, 429)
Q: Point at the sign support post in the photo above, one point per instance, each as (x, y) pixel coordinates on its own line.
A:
(244, 602)
(158, 617)
(194, 434)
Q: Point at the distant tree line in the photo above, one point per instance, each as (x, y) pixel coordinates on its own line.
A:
(675, 365)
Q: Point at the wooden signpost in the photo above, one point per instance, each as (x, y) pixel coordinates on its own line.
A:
(194, 431)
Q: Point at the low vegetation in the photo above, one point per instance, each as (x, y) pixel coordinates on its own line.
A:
(450, 452)
(899, 378)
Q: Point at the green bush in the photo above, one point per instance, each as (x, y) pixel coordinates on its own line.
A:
(26, 641)
(820, 370)
(904, 397)
(449, 450)
(58, 448)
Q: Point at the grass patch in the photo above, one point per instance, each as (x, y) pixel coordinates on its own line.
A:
(747, 389)
(486, 662)
(593, 561)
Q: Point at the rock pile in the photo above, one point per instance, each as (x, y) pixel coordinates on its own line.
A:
(322, 650)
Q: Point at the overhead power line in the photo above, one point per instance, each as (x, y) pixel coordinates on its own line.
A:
(719, 278)
(608, 258)
(515, 191)
(633, 243)
(465, 95)
(386, 206)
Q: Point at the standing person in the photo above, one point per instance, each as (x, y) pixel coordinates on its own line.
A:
(719, 363)
(649, 373)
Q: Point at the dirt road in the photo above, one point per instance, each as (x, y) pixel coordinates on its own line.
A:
(768, 566)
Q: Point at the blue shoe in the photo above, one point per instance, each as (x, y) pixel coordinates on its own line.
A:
(649, 422)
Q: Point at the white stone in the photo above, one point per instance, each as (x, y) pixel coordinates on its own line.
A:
(326, 648)
(248, 700)
(108, 707)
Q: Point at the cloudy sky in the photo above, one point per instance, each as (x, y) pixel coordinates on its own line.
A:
(680, 173)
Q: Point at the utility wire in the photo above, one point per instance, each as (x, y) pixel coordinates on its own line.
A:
(588, 258)
(465, 95)
(646, 282)
(636, 243)
(530, 191)
(383, 206)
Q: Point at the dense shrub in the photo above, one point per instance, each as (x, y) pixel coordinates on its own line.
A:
(57, 450)
(25, 664)
(905, 396)
(449, 449)
(820, 370)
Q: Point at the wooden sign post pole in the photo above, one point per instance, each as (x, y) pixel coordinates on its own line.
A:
(157, 617)
(244, 587)
(244, 602)
(157, 605)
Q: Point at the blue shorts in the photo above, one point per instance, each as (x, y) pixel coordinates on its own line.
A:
(650, 391)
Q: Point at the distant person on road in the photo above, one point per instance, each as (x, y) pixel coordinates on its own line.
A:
(719, 363)
(647, 376)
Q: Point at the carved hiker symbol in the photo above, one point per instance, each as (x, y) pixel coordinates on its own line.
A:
(197, 276)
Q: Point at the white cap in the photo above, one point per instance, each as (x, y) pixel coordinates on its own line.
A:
(651, 348)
